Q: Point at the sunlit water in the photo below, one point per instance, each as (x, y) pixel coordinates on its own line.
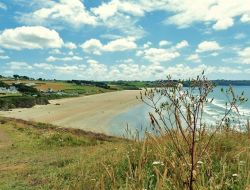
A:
(137, 118)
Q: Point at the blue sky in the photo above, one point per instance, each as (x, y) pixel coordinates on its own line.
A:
(125, 40)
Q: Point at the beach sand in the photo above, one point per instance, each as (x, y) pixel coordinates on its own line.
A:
(90, 113)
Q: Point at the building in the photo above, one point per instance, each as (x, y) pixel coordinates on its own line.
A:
(11, 90)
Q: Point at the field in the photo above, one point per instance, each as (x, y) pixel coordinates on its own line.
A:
(42, 156)
(62, 86)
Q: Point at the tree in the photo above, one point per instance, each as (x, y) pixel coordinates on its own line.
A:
(16, 77)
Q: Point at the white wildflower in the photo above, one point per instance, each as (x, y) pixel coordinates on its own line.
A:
(242, 163)
(235, 175)
(158, 163)
(200, 162)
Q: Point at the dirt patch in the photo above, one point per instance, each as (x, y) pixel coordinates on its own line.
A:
(14, 167)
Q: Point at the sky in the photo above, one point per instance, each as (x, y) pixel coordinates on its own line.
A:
(125, 39)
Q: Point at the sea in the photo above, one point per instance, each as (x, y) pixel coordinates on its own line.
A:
(137, 120)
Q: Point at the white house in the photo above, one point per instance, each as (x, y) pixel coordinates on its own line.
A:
(11, 90)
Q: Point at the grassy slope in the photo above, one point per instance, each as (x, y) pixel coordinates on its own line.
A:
(34, 156)
(40, 156)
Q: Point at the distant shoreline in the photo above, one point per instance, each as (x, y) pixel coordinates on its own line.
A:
(90, 113)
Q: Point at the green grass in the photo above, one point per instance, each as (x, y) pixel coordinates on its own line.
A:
(42, 156)
(86, 90)
(10, 95)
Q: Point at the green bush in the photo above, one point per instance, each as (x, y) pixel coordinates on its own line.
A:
(7, 103)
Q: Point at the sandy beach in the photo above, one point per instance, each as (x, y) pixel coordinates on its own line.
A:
(91, 113)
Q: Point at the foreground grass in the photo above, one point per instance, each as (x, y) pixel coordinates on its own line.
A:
(40, 156)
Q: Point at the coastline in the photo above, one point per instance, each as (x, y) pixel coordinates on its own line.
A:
(91, 113)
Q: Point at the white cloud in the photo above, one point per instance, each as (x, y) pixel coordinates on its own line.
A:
(124, 71)
(55, 51)
(182, 44)
(245, 18)
(223, 24)
(219, 11)
(109, 9)
(92, 61)
(44, 66)
(72, 12)
(71, 53)
(207, 46)
(96, 47)
(158, 54)
(111, 14)
(34, 37)
(69, 69)
(73, 58)
(4, 57)
(240, 36)
(125, 61)
(70, 45)
(92, 46)
(164, 43)
(194, 58)
(19, 66)
(3, 6)
(244, 55)
(147, 45)
(214, 54)
(121, 44)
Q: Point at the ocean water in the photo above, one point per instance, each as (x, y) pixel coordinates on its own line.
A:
(137, 117)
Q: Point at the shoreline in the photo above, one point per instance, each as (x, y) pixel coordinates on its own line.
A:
(91, 113)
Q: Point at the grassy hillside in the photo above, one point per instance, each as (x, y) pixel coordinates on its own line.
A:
(40, 156)
(61, 86)
(42, 91)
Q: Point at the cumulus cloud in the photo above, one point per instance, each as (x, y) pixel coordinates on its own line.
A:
(106, 10)
(94, 70)
(164, 43)
(223, 24)
(44, 66)
(72, 12)
(94, 46)
(19, 66)
(220, 13)
(70, 45)
(4, 57)
(194, 58)
(207, 46)
(158, 54)
(33, 37)
(244, 55)
(3, 6)
(73, 58)
(245, 18)
(55, 51)
(240, 36)
(182, 44)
